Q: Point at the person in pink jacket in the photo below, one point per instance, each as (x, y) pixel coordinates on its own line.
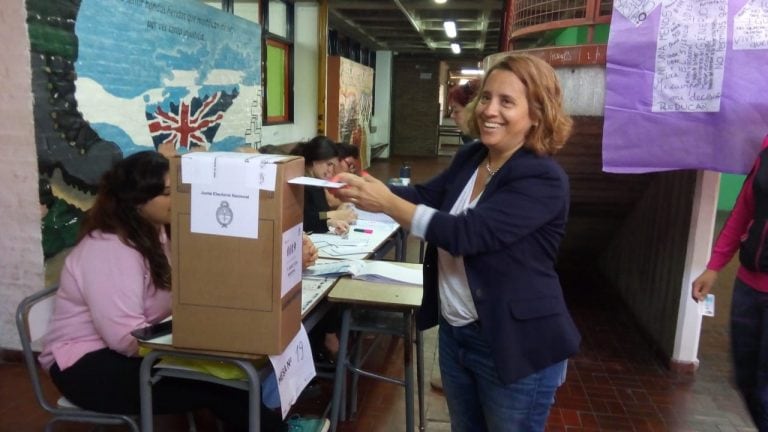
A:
(746, 231)
(115, 280)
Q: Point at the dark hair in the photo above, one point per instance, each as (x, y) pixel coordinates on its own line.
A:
(271, 149)
(347, 150)
(317, 149)
(463, 94)
(130, 183)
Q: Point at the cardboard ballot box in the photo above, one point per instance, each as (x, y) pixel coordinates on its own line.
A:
(238, 294)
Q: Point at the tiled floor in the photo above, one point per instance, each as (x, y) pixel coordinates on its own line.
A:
(614, 384)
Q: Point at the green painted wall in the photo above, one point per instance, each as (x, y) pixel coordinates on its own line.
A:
(578, 35)
(730, 185)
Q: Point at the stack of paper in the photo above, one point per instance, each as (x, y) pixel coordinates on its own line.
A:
(375, 271)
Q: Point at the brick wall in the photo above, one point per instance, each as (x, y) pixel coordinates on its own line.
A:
(415, 106)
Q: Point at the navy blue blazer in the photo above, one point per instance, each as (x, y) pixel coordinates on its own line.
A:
(509, 242)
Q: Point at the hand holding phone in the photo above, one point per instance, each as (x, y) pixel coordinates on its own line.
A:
(153, 331)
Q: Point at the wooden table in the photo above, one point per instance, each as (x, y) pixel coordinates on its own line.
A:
(357, 294)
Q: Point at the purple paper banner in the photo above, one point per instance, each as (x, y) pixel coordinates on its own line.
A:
(683, 89)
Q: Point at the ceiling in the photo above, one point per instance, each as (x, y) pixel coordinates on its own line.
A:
(415, 27)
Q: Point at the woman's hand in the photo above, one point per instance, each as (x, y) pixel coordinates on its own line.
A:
(338, 226)
(367, 192)
(346, 212)
(308, 252)
(703, 285)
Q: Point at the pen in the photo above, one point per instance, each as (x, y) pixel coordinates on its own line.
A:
(363, 230)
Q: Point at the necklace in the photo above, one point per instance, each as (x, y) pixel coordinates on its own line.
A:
(491, 172)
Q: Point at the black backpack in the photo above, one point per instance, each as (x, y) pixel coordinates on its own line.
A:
(753, 253)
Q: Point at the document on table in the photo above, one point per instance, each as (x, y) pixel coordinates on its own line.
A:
(294, 368)
(312, 289)
(374, 271)
(374, 217)
(335, 245)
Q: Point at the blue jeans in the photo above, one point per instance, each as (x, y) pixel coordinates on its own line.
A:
(477, 399)
(749, 346)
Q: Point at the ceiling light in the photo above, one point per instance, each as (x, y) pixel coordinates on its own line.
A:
(450, 28)
(455, 48)
(471, 71)
(440, 1)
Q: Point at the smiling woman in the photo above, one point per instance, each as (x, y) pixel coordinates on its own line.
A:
(489, 277)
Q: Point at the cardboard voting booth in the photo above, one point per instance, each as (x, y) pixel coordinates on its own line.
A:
(236, 252)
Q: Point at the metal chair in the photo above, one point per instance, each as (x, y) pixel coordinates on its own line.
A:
(32, 318)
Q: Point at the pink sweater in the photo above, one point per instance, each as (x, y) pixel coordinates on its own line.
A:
(735, 228)
(105, 292)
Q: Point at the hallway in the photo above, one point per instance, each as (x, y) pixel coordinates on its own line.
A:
(616, 382)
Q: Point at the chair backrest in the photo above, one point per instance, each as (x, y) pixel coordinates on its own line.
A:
(32, 319)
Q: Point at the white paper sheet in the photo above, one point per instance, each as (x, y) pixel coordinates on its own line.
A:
(311, 181)
(292, 243)
(750, 26)
(363, 215)
(690, 56)
(380, 271)
(636, 10)
(225, 192)
(197, 167)
(268, 169)
(374, 271)
(226, 210)
(294, 368)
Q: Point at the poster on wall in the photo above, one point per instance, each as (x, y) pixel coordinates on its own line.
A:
(113, 77)
(685, 85)
(168, 74)
(350, 102)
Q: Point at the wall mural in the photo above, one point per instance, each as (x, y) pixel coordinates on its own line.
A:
(114, 77)
(355, 104)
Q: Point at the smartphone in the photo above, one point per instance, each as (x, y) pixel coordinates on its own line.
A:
(153, 331)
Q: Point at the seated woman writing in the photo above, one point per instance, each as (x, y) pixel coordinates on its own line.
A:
(118, 279)
(321, 156)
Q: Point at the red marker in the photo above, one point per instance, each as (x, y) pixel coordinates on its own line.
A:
(363, 230)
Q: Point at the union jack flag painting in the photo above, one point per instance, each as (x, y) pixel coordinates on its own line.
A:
(181, 76)
(189, 124)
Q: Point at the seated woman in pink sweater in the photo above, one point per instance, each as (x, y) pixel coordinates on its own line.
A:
(118, 279)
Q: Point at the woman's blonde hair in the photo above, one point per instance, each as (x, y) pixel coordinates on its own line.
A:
(551, 124)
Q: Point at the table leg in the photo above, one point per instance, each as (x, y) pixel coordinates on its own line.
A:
(341, 367)
(355, 378)
(254, 395)
(145, 391)
(420, 377)
(408, 365)
(401, 243)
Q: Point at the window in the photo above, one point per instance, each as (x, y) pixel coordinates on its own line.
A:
(276, 81)
(277, 32)
(247, 9)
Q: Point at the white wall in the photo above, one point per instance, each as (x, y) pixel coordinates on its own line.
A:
(21, 259)
(584, 89)
(382, 108)
(305, 64)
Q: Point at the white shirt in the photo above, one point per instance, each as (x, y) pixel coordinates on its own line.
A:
(456, 304)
